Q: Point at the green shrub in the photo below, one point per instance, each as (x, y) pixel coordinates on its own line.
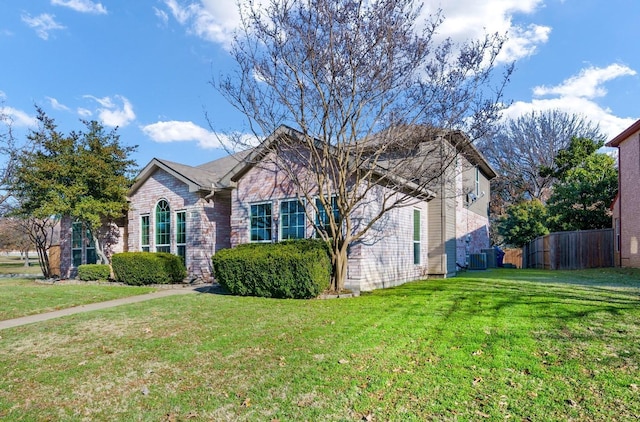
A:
(293, 269)
(92, 272)
(140, 268)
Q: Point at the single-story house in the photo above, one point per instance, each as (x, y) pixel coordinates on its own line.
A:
(626, 218)
(194, 211)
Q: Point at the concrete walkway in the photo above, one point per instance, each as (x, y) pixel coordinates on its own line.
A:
(30, 319)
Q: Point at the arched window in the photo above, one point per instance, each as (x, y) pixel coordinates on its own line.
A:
(163, 227)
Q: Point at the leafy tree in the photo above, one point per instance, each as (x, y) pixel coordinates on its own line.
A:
(356, 78)
(523, 222)
(571, 157)
(84, 175)
(520, 148)
(588, 184)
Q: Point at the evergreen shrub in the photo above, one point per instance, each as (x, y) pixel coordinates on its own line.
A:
(141, 268)
(299, 269)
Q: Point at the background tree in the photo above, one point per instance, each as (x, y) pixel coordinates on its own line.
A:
(523, 222)
(84, 175)
(524, 145)
(355, 78)
(581, 200)
(518, 151)
(10, 152)
(14, 238)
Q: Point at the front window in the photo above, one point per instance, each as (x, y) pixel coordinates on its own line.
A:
(292, 220)
(90, 250)
(163, 227)
(144, 233)
(323, 220)
(261, 222)
(76, 244)
(181, 235)
(477, 185)
(83, 248)
(416, 237)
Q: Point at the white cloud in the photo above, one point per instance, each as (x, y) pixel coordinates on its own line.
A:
(112, 114)
(84, 113)
(576, 96)
(216, 20)
(56, 104)
(82, 6)
(162, 15)
(18, 118)
(43, 24)
(472, 19)
(211, 20)
(588, 83)
(180, 131)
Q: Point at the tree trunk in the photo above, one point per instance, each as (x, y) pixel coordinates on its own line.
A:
(339, 261)
(101, 256)
(26, 258)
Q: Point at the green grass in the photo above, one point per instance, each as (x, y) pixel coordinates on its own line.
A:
(483, 346)
(15, 265)
(20, 297)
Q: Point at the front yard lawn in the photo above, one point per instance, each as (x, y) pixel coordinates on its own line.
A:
(484, 346)
(20, 297)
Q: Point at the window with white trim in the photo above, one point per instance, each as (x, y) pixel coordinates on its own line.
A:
(260, 222)
(76, 244)
(416, 237)
(144, 233)
(292, 220)
(181, 235)
(163, 226)
(323, 221)
(477, 182)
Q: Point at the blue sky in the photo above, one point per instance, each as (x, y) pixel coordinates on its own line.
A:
(146, 66)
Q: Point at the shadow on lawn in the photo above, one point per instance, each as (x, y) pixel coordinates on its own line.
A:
(487, 297)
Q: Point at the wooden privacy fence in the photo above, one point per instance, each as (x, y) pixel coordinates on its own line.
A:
(570, 250)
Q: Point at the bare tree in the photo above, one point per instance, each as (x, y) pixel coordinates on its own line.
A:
(40, 232)
(10, 151)
(13, 238)
(375, 97)
(525, 144)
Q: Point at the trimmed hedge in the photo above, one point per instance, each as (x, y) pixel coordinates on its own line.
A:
(140, 268)
(298, 269)
(93, 272)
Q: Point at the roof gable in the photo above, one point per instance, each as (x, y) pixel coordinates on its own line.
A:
(624, 135)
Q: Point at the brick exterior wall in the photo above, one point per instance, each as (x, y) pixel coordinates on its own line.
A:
(207, 221)
(472, 218)
(627, 208)
(382, 259)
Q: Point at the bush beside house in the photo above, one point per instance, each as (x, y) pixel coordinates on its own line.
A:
(295, 269)
(141, 268)
(93, 272)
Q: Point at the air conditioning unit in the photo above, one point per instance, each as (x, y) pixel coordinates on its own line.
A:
(478, 261)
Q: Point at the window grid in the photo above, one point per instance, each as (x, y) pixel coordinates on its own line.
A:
(292, 220)
(144, 233)
(76, 244)
(260, 222)
(322, 217)
(181, 235)
(416, 237)
(163, 227)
